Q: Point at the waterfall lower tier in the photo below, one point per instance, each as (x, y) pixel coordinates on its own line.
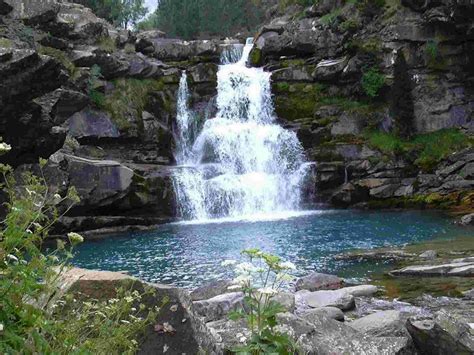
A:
(241, 163)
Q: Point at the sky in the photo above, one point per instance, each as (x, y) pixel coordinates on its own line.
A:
(151, 5)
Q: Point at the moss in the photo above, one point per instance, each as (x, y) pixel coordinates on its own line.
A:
(289, 63)
(61, 57)
(128, 100)
(372, 81)
(296, 100)
(107, 44)
(427, 149)
(369, 46)
(255, 57)
(331, 18)
(5, 43)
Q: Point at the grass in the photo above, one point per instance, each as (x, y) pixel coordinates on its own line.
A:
(128, 100)
(330, 18)
(429, 148)
(61, 57)
(107, 44)
(5, 43)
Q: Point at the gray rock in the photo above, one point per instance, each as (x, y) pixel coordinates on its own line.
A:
(360, 290)
(467, 219)
(333, 298)
(441, 334)
(328, 312)
(210, 290)
(329, 69)
(92, 123)
(452, 269)
(285, 299)
(348, 123)
(327, 336)
(384, 323)
(467, 172)
(217, 307)
(429, 254)
(318, 281)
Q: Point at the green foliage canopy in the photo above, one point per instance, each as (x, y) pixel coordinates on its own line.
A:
(123, 13)
(190, 19)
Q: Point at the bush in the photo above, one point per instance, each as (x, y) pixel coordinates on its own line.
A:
(35, 317)
(372, 82)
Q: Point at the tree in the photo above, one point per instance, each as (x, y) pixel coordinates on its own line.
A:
(402, 107)
(123, 13)
(190, 19)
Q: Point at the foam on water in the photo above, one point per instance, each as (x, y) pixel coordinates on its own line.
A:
(241, 164)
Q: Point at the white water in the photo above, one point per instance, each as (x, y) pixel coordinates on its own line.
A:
(241, 165)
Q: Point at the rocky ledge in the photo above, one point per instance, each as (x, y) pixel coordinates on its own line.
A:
(321, 321)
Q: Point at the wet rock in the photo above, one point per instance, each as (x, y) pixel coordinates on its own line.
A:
(453, 269)
(429, 254)
(441, 334)
(334, 298)
(328, 312)
(217, 307)
(384, 323)
(318, 281)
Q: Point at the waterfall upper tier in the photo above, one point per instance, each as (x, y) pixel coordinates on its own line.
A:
(240, 163)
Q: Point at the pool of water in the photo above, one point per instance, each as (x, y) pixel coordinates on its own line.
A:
(190, 254)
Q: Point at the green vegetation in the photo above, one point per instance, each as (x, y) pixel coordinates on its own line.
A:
(434, 58)
(427, 149)
(123, 13)
(331, 18)
(269, 272)
(107, 44)
(35, 316)
(5, 43)
(283, 4)
(372, 82)
(61, 57)
(349, 25)
(128, 100)
(190, 19)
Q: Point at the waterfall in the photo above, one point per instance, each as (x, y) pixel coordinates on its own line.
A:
(241, 164)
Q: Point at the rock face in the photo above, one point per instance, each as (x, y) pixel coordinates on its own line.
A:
(442, 334)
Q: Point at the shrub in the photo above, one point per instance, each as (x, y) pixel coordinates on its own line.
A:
(372, 82)
(35, 318)
(261, 278)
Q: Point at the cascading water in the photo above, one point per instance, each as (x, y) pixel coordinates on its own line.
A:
(241, 164)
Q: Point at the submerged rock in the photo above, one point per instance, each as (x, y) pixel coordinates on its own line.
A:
(452, 269)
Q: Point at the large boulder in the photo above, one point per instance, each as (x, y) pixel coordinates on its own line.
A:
(333, 298)
(442, 334)
(92, 124)
(217, 307)
(33, 11)
(318, 281)
(328, 312)
(383, 323)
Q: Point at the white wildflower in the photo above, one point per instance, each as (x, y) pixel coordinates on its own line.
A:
(234, 287)
(5, 148)
(1, 328)
(29, 231)
(57, 198)
(12, 258)
(288, 265)
(129, 299)
(75, 238)
(284, 277)
(246, 268)
(267, 291)
(228, 262)
(125, 321)
(242, 280)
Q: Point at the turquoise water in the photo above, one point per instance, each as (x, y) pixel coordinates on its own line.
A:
(190, 254)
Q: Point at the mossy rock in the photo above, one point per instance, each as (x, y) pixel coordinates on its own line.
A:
(295, 100)
(256, 57)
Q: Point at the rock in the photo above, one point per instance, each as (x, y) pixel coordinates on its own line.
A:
(453, 269)
(92, 124)
(217, 307)
(32, 11)
(348, 123)
(285, 299)
(177, 50)
(467, 219)
(327, 336)
(102, 285)
(210, 290)
(318, 281)
(328, 70)
(441, 334)
(334, 298)
(5, 7)
(328, 312)
(384, 323)
(360, 290)
(429, 254)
